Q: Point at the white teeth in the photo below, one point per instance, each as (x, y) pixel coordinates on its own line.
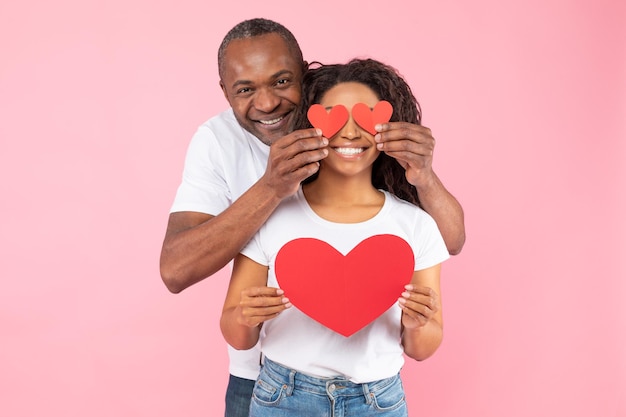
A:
(271, 122)
(349, 151)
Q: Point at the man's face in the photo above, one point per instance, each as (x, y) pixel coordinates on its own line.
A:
(262, 82)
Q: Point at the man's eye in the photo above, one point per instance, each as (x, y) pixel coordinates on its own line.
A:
(282, 81)
(243, 90)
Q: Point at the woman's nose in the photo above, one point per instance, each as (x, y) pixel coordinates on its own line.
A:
(351, 130)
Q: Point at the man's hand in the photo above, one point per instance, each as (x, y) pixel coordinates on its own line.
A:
(292, 159)
(411, 145)
(259, 304)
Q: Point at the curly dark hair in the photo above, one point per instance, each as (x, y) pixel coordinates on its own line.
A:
(257, 27)
(387, 84)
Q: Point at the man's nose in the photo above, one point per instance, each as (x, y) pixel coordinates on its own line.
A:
(266, 100)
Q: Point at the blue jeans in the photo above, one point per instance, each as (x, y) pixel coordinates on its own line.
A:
(238, 395)
(283, 392)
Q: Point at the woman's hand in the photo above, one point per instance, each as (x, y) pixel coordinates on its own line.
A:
(259, 304)
(419, 305)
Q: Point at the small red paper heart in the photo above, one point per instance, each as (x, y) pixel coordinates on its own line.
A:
(330, 122)
(345, 293)
(367, 118)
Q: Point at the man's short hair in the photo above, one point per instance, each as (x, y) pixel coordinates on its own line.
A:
(257, 27)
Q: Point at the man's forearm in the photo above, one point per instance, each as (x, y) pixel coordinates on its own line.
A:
(196, 246)
(447, 212)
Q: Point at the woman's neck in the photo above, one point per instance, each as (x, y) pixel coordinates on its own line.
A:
(343, 199)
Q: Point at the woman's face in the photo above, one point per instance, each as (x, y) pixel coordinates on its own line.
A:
(352, 149)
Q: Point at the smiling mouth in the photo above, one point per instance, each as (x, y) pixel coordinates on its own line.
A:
(349, 151)
(271, 122)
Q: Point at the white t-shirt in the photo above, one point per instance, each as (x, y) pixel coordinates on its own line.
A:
(299, 342)
(223, 161)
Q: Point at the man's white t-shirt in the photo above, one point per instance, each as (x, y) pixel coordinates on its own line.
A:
(223, 161)
(297, 341)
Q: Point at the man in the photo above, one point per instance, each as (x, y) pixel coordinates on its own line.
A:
(242, 163)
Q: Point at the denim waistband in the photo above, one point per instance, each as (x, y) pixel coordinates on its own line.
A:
(336, 386)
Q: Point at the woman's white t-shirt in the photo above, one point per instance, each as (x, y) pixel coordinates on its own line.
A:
(295, 340)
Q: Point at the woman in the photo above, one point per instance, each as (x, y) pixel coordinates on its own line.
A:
(359, 195)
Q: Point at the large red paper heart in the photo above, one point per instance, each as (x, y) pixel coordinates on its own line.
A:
(367, 118)
(330, 122)
(344, 293)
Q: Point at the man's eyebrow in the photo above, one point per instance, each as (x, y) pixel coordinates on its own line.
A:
(240, 83)
(245, 83)
(281, 73)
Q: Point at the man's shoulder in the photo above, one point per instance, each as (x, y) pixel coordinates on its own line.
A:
(223, 121)
(223, 130)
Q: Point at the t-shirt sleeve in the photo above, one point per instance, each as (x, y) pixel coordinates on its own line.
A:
(254, 249)
(203, 188)
(431, 248)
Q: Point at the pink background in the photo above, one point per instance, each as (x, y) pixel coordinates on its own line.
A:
(98, 102)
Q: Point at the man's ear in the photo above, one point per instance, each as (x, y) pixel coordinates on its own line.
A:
(223, 87)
